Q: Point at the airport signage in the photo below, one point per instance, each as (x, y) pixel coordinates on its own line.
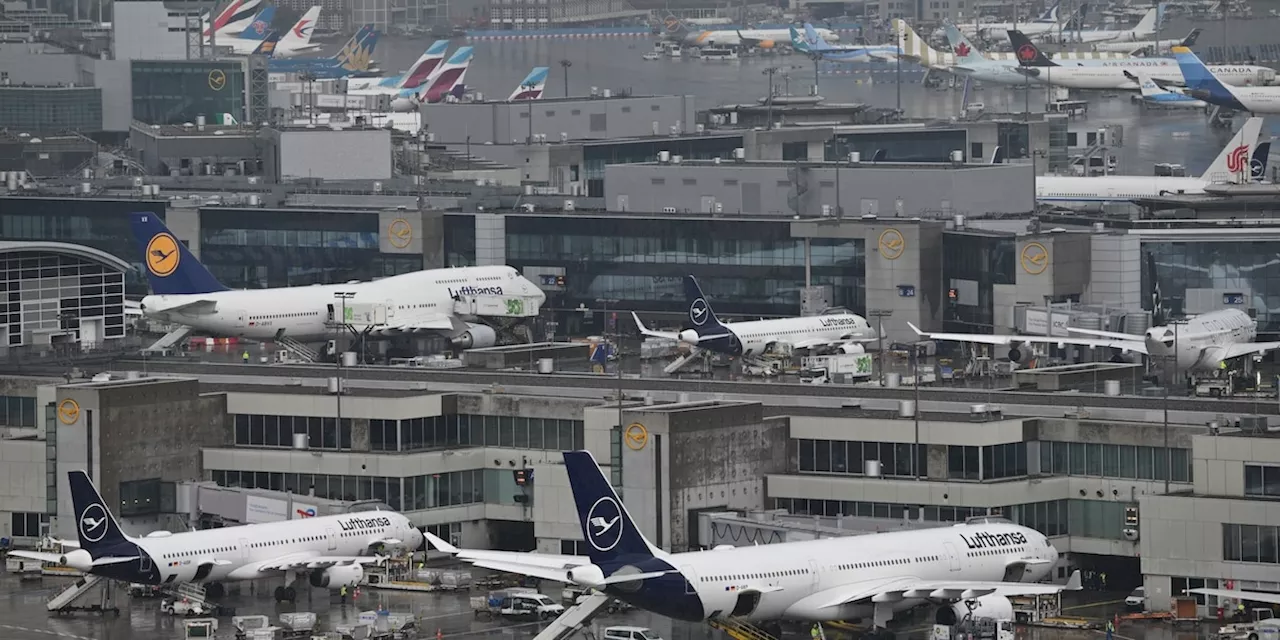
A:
(984, 540)
(906, 291)
(359, 524)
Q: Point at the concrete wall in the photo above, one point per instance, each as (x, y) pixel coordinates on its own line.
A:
(34, 63)
(115, 78)
(365, 155)
(580, 118)
(22, 480)
(903, 190)
(148, 31)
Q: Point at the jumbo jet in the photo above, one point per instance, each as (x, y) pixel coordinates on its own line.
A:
(184, 292)
(1234, 164)
(983, 563)
(1145, 28)
(295, 41)
(1116, 74)
(1207, 84)
(916, 49)
(532, 86)
(330, 550)
(234, 18)
(421, 70)
(1152, 47)
(844, 331)
(1201, 343)
(812, 44)
(356, 56)
(1153, 95)
(446, 81)
(758, 38)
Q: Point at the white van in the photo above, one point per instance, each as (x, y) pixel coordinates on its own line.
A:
(1137, 600)
(630, 633)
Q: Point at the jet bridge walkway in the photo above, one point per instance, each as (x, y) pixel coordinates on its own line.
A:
(79, 597)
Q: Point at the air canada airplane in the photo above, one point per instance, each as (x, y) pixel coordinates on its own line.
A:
(983, 562)
(184, 292)
(331, 550)
(844, 331)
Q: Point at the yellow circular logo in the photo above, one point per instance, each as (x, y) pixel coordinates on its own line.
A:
(1034, 258)
(162, 255)
(217, 79)
(400, 233)
(68, 411)
(636, 436)
(892, 244)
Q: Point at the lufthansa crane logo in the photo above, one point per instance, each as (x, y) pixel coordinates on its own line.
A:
(400, 233)
(1034, 258)
(604, 524)
(93, 523)
(698, 312)
(68, 411)
(162, 255)
(636, 436)
(217, 80)
(892, 244)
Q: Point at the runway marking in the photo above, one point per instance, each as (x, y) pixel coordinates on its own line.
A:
(45, 632)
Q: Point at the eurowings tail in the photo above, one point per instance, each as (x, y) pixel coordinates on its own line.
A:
(1028, 54)
(261, 25)
(422, 69)
(532, 86)
(299, 37)
(171, 268)
(1233, 164)
(447, 79)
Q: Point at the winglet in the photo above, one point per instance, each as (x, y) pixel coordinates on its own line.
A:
(1073, 584)
(439, 543)
(916, 329)
(639, 324)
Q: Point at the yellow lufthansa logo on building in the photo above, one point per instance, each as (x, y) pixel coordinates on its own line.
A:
(636, 436)
(68, 411)
(162, 255)
(400, 233)
(217, 79)
(892, 244)
(1034, 258)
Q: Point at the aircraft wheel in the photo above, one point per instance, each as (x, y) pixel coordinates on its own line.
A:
(279, 594)
(290, 594)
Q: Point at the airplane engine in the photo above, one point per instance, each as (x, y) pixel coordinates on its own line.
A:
(852, 348)
(477, 336)
(404, 105)
(767, 44)
(587, 575)
(78, 559)
(348, 575)
(993, 606)
(1020, 353)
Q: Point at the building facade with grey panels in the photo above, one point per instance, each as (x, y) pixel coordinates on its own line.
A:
(777, 188)
(151, 29)
(37, 110)
(349, 154)
(577, 118)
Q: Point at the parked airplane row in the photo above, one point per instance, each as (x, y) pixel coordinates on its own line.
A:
(432, 79)
(1048, 28)
(679, 32)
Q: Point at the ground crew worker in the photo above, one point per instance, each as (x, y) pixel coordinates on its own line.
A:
(1111, 629)
(245, 356)
(1240, 611)
(1103, 576)
(816, 631)
(343, 592)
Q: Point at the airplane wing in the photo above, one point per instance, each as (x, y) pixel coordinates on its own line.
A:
(669, 335)
(314, 561)
(424, 323)
(1248, 348)
(195, 306)
(1233, 594)
(556, 568)
(894, 589)
(1136, 345)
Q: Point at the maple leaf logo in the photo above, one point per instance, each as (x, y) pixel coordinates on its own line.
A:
(962, 50)
(1026, 52)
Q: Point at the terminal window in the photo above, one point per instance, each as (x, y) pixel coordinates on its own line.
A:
(473, 430)
(1114, 461)
(1250, 543)
(1262, 480)
(27, 524)
(17, 411)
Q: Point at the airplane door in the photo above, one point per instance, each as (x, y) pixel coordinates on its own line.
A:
(690, 579)
(333, 539)
(244, 549)
(814, 574)
(391, 309)
(952, 556)
(144, 562)
(239, 313)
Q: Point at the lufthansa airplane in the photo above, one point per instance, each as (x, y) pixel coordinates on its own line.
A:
(184, 292)
(843, 331)
(868, 576)
(331, 550)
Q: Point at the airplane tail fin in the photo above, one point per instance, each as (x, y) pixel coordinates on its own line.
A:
(447, 77)
(962, 47)
(361, 57)
(171, 268)
(673, 29)
(913, 46)
(1158, 315)
(95, 525)
(300, 34)
(268, 44)
(1260, 162)
(225, 16)
(1146, 85)
(1149, 21)
(797, 41)
(240, 19)
(353, 45)
(1050, 15)
(700, 313)
(997, 156)
(532, 86)
(426, 64)
(1029, 55)
(261, 26)
(612, 537)
(1232, 164)
(1190, 40)
(813, 39)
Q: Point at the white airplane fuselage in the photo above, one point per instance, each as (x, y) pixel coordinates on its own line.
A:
(1110, 75)
(757, 336)
(1091, 191)
(1199, 342)
(306, 312)
(734, 38)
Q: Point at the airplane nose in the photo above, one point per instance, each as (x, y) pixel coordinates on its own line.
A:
(689, 336)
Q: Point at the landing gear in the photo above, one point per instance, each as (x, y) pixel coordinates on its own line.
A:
(286, 594)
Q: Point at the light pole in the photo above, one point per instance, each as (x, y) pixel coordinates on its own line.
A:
(337, 357)
(1168, 456)
(880, 315)
(617, 351)
(565, 64)
(915, 376)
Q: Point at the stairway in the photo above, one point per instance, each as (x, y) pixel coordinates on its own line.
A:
(170, 339)
(191, 592)
(739, 630)
(64, 599)
(575, 618)
(302, 351)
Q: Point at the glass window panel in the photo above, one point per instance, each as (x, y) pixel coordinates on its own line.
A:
(822, 455)
(1128, 461)
(1077, 462)
(806, 461)
(1111, 461)
(1093, 459)
(839, 456)
(535, 433)
(1249, 543)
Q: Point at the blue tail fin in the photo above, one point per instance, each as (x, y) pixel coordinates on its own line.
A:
(1260, 161)
(700, 314)
(170, 266)
(611, 535)
(1197, 76)
(261, 25)
(98, 530)
(814, 40)
(268, 45)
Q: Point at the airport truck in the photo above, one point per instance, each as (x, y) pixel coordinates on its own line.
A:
(517, 602)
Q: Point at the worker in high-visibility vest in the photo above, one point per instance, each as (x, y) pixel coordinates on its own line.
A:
(343, 593)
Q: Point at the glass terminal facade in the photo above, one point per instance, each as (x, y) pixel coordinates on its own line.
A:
(40, 109)
(1246, 271)
(972, 264)
(176, 91)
